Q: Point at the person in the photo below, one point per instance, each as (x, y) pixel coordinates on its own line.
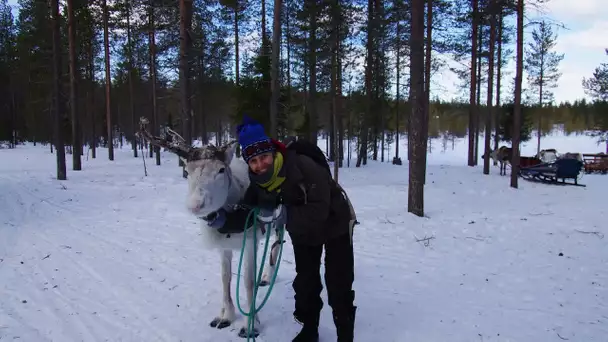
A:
(318, 216)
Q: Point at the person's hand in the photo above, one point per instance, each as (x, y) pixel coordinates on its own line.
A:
(217, 219)
(269, 215)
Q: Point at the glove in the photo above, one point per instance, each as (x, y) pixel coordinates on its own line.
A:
(217, 219)
(269, 215)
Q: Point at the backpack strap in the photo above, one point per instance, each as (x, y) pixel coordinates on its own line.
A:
(353, 216)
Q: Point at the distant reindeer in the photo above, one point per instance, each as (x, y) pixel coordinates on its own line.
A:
(217, 180)
(502, 155)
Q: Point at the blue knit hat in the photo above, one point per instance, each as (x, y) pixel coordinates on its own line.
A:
(253, 139)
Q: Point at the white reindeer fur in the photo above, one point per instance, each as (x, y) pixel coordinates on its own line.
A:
(215, 190)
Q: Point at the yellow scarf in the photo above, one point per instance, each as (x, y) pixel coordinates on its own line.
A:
(275, 181)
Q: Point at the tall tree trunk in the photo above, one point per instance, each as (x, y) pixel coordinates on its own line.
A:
(397, 160)
(288, 43)
(489, 114)
(363, 135)
(152, 44)
(378, 35)
(76, 131)
(497, 110)
(13, 114)
(275, 85)
(237, 67)
(237, 70)
(312, 96)
(106, 38)
(381, 75)
(58, 106)
(131, 92)
(478, 100)
(519, 66)
(334, 84)
(201, 99)
(340, 103)
(473, 84)
(540, 100)
(427, 74)
(185, 10)
(91, 99)
(264, 41)
(417, 95)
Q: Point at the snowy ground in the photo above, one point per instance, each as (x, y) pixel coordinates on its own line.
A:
(111, 255)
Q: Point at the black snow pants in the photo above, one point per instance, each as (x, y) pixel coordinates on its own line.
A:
(339, 277)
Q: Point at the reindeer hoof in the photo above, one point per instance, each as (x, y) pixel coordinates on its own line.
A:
(220, 323)
(244, 333)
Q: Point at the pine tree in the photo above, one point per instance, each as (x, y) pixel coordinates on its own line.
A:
(542, 67)
(597, 85)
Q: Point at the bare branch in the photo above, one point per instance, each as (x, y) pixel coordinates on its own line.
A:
(598, 234)
(426, 241)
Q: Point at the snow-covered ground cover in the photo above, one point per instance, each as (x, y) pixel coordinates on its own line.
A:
(111, 255)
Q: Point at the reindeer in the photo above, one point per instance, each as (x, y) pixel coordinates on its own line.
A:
(502, 155)
(217, 180)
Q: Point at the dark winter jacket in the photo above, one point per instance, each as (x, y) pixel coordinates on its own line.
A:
(316, 209)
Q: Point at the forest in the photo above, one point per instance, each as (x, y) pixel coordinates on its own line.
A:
(81, 73)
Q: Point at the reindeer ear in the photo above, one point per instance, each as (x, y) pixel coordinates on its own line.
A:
(228, 151)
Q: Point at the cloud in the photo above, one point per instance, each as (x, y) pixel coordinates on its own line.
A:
(569, 9)
(593, 38)
(582, 42)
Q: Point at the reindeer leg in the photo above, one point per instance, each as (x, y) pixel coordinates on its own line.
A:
(249, 284)
(274, 254)
(227, 314)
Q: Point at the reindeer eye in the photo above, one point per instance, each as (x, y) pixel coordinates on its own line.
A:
(222, 170)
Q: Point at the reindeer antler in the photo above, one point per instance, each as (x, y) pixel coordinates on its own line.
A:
(175, 135)
(178, 147)
(228, 144)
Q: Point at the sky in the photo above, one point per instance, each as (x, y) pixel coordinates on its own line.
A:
(582, 36)
(582, 40)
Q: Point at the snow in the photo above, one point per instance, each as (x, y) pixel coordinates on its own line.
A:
(111, 255)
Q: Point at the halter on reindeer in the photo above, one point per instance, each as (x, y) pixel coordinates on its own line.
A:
(216, 180)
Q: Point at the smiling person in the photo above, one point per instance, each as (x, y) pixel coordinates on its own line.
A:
(318, 215)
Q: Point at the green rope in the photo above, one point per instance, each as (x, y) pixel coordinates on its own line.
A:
(250, 222)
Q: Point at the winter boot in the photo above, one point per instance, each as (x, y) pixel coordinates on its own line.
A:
(345, 324)
(307, 334)
(310, 329)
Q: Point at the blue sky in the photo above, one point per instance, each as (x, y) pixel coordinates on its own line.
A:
(584, 44)
(582, 41)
